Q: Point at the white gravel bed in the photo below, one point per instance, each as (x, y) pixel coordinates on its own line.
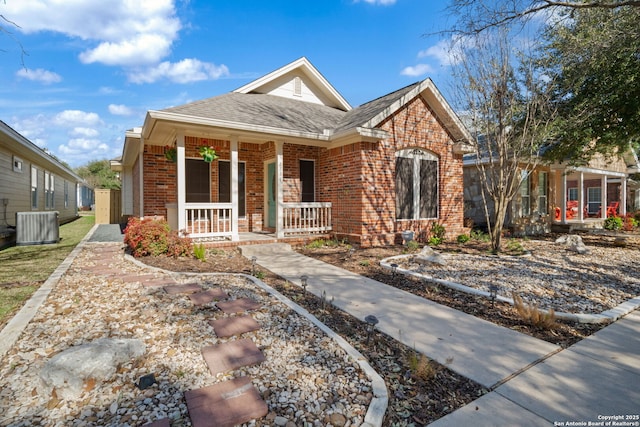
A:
(550, 276)
(307, 379)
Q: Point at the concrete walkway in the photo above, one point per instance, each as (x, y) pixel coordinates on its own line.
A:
(534, 383)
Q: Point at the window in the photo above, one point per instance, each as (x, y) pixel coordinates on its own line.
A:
(543, 189)
(307, 180)
(224, 185)
(525, 197)
(594, 199)
(17, 164)
(49, 196)
(416, 184)
(197, 181)
(34, 188)
(297, 86)
(573, 193)
(66, 194)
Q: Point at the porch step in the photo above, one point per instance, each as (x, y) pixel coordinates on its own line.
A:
(269, 248)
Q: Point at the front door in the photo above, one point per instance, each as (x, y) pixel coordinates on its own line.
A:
(271, 195)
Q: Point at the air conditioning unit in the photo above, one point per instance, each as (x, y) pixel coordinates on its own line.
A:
(37, 228)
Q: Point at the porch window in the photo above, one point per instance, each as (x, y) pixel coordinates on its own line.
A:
(34, 188)
(594, 199)
(49, 196)
(525, 196)
(416, 184)
(573, 194)
(198, 181)
(307, 180)
(224, 185)
(543, 190)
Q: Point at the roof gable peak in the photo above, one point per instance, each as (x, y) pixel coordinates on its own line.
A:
(298, 80)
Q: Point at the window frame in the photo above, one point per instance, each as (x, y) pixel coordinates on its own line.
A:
(524, 193)
(18, 164)
(597, 203)
(313, 180)
(49, 191)
(415, 199)
(543, 192)
(189, 195)
(34, 188)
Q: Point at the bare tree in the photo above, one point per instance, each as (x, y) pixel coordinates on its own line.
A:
(509, 116)
(476, 16)
(6, 25)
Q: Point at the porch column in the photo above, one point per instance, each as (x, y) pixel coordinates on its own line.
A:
(279, 189)
(581, 197)
(182, 181)
(141, 172)
(234, 189)
(603, 197)
(623, 196)
(563, 210)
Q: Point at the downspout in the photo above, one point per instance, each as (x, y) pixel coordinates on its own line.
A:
(182, 181)
(279, 189)
(234, 189)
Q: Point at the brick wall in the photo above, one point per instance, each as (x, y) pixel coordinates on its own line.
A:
(359, 179)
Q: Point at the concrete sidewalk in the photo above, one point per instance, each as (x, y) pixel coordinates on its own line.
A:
(536, 384)
(477, 349)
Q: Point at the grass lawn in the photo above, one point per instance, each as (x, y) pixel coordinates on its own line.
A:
(25, 268)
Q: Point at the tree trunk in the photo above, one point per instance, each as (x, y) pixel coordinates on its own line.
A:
(500, 213)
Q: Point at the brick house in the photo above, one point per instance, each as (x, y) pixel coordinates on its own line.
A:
(296, 159)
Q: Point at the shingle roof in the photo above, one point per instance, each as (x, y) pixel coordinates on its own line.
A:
(264, 110)
(362, 114)
(285, 113)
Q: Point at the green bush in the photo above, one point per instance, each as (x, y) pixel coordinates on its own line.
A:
(463, 238)
(480, 236)
(613, 223)
(200, 252)
(630, 223)
(153, 237)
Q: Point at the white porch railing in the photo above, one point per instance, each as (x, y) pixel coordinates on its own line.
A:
(208, 220)
(306, 217)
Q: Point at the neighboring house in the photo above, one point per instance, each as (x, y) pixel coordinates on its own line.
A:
(86, 197)
(562, 194)
(295, 158)
(31, 180)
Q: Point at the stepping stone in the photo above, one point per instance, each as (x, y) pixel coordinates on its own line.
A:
(238, 305)
(164, 422)
(231, 355)
(225, 404)
(230, 326)
(205, 297)
(188, 288)
(158, 281)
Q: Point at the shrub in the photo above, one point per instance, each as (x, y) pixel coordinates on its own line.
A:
(613, 223)
(200, 252)
(629, 223)
(150, 236)
(463, 238)
(413, 246)
(420, 366)
(531, 314)
(480, 236)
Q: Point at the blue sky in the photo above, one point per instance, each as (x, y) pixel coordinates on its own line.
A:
(93, 68)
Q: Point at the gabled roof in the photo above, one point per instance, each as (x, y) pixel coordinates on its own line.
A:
(313, 81)
(297, 104)
(23, 147)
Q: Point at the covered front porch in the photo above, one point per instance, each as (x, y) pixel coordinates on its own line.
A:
(253, 202)
(588, 196)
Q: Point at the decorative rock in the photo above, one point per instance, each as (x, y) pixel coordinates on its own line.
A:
(429, 256)
(574, 243)
(98, 360)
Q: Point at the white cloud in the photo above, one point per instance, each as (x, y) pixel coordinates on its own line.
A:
(120, 110)
(87, 132)
(417, 70)
(39, 75)
(185, 71)
(76, 117)
(447, 52)
(378, 2)
(128, 32)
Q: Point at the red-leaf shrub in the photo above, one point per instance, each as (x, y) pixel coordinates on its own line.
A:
(150, 236)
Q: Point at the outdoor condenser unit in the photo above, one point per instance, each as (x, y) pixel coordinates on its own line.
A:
(37, 228)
